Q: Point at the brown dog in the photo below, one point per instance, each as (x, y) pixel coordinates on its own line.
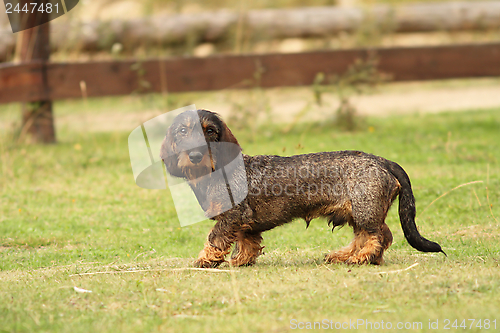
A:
(267, 191)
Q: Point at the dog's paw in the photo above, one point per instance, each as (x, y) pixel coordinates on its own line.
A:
(361, 260)
(202, 263)
(237, 262)
(335, 258)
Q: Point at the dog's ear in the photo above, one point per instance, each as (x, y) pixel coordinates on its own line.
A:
(169, 155)
(228, 149)
(227, 135)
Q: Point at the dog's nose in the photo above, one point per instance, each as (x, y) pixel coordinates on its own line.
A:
(195, 157)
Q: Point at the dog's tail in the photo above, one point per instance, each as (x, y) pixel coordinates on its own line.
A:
(407, 212)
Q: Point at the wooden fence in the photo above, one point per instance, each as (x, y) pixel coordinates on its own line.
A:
(37, 82)
(40, 80)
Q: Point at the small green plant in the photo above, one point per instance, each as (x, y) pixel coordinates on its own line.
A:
(360, 78)
(143, 85)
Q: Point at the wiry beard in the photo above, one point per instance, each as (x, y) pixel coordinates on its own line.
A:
(194, 172)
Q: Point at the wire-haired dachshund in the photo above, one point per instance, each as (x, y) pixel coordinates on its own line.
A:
(266, 191)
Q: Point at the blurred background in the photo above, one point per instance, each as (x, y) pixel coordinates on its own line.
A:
(111, 30)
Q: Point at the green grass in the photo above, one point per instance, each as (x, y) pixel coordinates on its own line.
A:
(74, 208)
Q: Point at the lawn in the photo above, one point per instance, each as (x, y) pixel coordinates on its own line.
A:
(71, 216)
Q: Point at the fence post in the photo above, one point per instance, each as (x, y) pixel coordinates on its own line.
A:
(37, 117)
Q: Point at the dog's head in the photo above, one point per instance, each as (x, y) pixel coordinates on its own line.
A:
(198, 143)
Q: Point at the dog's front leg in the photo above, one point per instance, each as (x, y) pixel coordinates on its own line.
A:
(217, 246)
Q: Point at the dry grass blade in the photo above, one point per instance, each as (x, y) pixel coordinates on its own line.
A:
(477, 198)
(207, 270)
(397, 270)
(448, 192)
(490, 205)
(488, 192)
(81, 290)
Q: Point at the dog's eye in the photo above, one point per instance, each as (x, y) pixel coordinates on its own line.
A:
(210, 131)
(183, 131)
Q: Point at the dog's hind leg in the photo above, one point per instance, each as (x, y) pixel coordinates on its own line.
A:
(365, 248)
(371, 236)
(340, 217)
(386, 242)
(369, 249)
(247, 249)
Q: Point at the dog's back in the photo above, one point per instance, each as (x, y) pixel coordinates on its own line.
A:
(325, 184)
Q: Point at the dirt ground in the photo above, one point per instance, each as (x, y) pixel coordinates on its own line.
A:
(399, 98)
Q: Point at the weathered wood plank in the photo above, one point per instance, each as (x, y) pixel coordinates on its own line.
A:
(24, 82)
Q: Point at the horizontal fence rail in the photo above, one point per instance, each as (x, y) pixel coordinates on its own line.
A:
(52, 81)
